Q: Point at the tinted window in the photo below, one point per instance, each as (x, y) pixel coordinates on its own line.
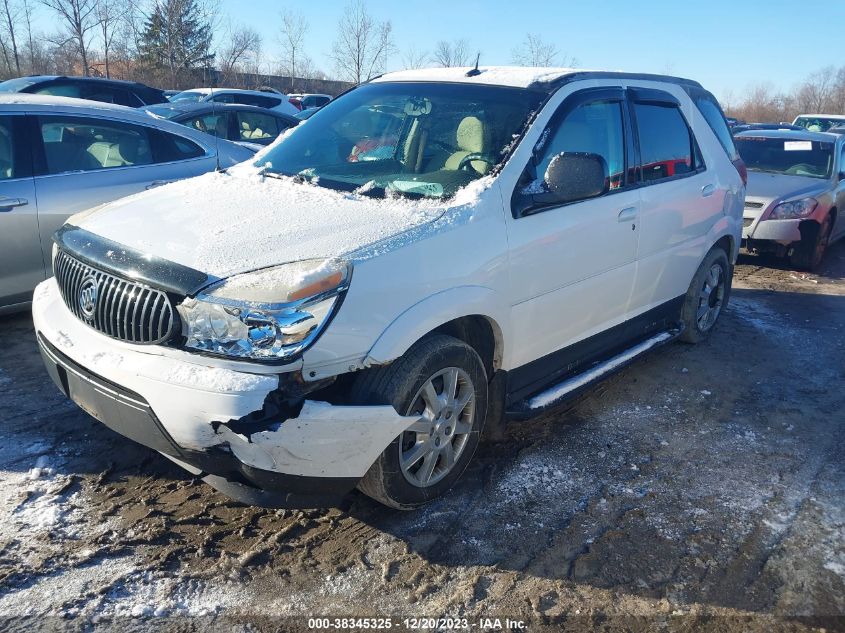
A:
(214, 123)
(223, 98)
(595, 128)
(81, 144)
(256, 100)
(170, 147)
(666, 147)
(715, 119)
(256, 127)
(7, 150)
(60, 89)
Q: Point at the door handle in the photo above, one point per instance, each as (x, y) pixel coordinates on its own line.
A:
(628, 214)
(158, 183)
(707, 190)
(7, 204)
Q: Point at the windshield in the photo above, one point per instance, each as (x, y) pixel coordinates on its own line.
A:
(188, 96)
(16, 85)
(818, 124)
(420, 139)
(785, 156)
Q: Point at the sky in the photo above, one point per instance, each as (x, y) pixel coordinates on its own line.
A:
(726, 45)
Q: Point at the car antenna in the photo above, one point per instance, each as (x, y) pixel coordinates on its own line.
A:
(216, 138)
(475, 72)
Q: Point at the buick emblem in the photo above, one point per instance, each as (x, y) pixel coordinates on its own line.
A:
(87, 297)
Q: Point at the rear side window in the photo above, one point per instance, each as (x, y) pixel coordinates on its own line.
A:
(666, 144)
(215, 123)
(82, 144)
(712, 113)
(257, 127)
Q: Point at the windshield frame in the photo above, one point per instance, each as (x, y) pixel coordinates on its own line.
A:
(541, 97)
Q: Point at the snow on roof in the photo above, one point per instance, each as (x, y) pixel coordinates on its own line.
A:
(515, 76)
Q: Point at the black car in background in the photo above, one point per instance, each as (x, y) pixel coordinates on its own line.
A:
(245, 124)
(128, 93)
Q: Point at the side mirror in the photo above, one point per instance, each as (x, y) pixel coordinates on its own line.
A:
(577, 176)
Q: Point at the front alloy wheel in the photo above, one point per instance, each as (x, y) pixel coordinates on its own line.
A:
(442, 382)
(432, 446)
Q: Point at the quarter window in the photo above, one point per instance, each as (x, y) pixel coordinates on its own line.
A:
(666, 144)
(594, 127)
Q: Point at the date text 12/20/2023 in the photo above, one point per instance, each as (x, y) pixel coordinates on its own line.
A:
(422, 623)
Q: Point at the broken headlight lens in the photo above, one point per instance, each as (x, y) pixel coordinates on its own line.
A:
(269, 314)
(793, 209)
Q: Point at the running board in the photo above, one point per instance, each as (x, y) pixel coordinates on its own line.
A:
(577, 384)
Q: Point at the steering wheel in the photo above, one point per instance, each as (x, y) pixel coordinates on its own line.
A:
(484, 158)
(805, 167)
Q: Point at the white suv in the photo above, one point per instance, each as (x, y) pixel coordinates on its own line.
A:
(429, 252)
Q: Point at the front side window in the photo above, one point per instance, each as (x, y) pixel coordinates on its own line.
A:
(80, 144)
(256, 127)
(188, 96)
(666, 145)
(413, 138)
(214, 123)
(593, 128)
(784, 155)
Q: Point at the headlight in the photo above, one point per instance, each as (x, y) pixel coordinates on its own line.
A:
(793, 209)
(269, 314)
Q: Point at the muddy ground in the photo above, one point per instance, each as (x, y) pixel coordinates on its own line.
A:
(703, 487)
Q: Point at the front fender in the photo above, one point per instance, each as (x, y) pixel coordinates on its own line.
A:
(435, 310)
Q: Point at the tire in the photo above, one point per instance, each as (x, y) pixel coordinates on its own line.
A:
(707, 296)
(810, 251)
(405, 476)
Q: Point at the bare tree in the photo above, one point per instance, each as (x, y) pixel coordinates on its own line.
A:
(244, 46)
(362, 45)
(448, 54)
(533, 51)
(27, 16)
(80, 17)
(415, 59)
(110, 15)
(11, 14)
(816, 94)
(292, 38)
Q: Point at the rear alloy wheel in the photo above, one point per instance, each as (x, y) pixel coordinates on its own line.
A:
(442, 382)
(707, 296)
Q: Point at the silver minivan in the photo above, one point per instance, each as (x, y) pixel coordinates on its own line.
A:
(59, 156)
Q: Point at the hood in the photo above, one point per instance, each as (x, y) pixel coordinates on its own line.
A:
(767, 188)
(227, 223)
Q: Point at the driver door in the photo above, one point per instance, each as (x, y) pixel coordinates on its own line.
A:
(573, 265)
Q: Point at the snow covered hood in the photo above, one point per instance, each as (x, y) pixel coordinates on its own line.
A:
(514, 76)
(227, 223)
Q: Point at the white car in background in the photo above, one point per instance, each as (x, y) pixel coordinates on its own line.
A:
(435, 250)
(59, 156)
(819, 122)
(269, 100)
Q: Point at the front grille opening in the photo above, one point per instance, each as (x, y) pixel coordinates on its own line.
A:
(120, 308)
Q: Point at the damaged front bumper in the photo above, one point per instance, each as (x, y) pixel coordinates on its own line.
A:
(220, 423)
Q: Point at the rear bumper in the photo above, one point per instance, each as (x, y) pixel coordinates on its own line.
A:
(128, 414)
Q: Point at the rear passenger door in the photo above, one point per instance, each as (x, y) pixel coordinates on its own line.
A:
(681, 200)
(573, 264)
(21, 264)
(83, 162)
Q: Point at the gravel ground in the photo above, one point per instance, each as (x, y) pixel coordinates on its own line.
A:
(703, 487)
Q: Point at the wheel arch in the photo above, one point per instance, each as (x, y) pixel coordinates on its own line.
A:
(468, 313)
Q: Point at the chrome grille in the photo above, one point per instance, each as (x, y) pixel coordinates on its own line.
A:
(120, 308)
